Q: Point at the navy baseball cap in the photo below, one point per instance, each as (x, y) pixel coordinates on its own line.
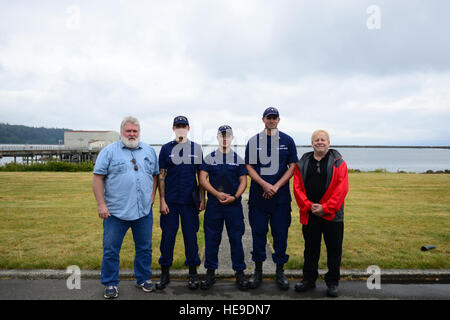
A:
(180, 120)
(271, 111)
(225, 128)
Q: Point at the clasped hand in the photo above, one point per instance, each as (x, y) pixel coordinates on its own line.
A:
(269, 191)
(317, 209)
(225, 198)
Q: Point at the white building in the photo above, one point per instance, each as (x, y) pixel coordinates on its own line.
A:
(89, 140)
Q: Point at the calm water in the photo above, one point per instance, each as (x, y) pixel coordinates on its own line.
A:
(391, 159)
(367, 159)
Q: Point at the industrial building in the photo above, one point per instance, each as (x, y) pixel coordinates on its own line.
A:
(78, 146)
(89, 140)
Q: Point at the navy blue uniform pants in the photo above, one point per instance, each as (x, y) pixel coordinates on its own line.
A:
(215, 217)
(189, 225)
(279, 220)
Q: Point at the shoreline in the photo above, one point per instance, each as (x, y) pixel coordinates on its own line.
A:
(75, 167)
(383, 170)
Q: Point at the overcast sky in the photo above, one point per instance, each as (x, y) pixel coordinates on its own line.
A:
(368, 75)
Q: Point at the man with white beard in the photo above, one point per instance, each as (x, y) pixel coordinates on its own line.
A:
(124, 186)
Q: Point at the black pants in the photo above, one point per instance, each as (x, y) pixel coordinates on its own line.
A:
(333, 234)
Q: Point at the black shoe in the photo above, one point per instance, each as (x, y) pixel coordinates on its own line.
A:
(256, 279)
(332, 291)
(304, 286)
(241, 281)
(193, 283)
(209, 280)
(281, 279)
(164, 278)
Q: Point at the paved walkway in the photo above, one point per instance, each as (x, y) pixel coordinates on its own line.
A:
(225, 269)
(91, 289)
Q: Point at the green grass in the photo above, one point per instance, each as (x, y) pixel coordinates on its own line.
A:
(388, 217)
(53, 165)
(49, 220)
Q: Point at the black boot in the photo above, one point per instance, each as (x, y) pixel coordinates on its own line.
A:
(164, 279)
(193, 278)
(256, 279)
(209, 280)
(281, 279)
(241, 281)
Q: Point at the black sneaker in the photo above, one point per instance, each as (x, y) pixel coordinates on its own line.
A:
(304, 286)
(111, 292)
(332, 291)
(147, 286)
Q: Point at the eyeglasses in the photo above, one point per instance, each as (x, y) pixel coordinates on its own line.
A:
(135, 165)
(318, 167)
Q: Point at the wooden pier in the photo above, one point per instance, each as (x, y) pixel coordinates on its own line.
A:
(36, 153)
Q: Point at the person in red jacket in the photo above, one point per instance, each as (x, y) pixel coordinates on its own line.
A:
(320, 187)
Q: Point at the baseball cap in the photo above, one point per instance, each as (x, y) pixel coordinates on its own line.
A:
(269, 111)
(225, 128)
(180, 120)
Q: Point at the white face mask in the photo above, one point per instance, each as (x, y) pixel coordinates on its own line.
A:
(130, 143)
(227, 143)
(181, 134)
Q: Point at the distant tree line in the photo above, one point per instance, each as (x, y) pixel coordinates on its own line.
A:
(19, 134)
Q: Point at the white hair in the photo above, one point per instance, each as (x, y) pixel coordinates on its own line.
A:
(131, 120)
(320, 131)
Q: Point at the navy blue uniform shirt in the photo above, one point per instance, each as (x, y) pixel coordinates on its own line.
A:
(182, 160)
(258, 153)
(224, 171)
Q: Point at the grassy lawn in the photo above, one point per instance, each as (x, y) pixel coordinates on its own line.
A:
(388, 217)
(49, 220)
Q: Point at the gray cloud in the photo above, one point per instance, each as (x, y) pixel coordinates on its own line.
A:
(225, 61)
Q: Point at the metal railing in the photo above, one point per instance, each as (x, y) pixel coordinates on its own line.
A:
(46, 147)
(26, 147)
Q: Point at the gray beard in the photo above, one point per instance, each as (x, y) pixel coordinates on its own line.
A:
(130, 143)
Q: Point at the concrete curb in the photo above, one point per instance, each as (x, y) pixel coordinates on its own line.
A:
(388, 275)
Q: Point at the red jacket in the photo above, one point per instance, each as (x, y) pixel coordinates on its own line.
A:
(337, 187)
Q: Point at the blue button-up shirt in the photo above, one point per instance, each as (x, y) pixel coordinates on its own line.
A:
(128, 193)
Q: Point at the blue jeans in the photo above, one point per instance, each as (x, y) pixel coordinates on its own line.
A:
(114, 231)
